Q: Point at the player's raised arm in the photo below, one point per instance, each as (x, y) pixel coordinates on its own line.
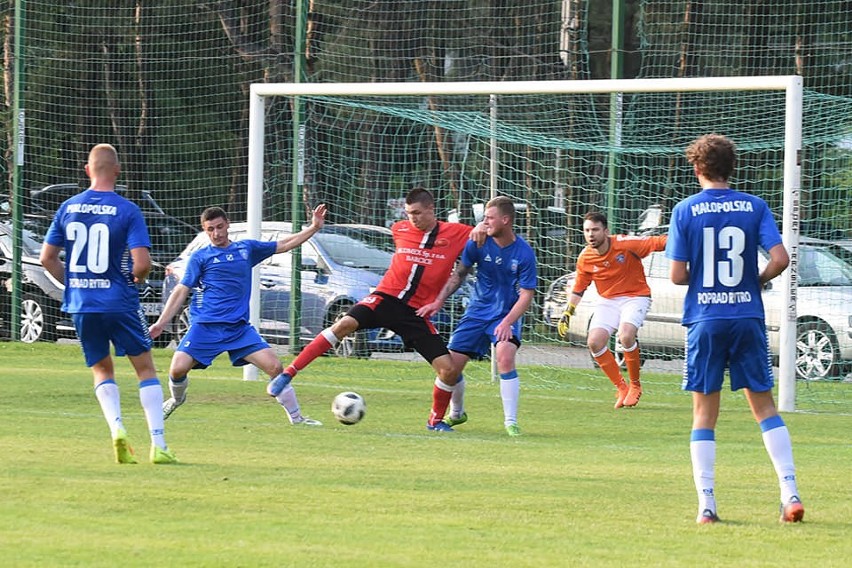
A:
(292, 241)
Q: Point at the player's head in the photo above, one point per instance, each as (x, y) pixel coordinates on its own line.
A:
(103, 166)
(420, 208)
(713, 156)
(215, 222)
(595, 229)
(499, 216)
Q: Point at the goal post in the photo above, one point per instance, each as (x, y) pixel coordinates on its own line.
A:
(791, 86)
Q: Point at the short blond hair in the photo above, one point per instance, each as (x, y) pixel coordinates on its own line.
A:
(103, 157)
(504, 205)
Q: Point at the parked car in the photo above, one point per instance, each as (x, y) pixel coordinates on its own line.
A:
(824, 311)
(340, 265)
(40, 296)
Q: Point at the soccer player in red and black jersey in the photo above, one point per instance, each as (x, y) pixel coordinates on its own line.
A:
(426, 252)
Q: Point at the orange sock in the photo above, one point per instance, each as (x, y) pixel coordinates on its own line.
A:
(631, 360)
(441, 395)
(607, 363)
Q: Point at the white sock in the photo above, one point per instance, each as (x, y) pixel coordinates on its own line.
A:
(288, 400)
(776, 438)
(177, 387)
(110, 401)
(510, 389)
(151, 397)
(702, 449)
(457, 399)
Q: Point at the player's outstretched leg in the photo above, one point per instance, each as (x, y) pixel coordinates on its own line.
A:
(177, 388)
(317, 347)
(441, 394)
(290, 403)
(278, 384)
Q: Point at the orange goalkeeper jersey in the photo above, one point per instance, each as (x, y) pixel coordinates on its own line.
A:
(619, 272)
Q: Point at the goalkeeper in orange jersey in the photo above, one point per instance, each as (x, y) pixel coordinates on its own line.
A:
(614, 264)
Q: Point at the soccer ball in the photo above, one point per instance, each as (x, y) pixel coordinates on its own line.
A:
(349, 408)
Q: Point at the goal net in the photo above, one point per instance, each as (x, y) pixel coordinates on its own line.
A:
(559, 149)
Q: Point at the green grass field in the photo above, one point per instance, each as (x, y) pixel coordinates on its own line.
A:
(584, 485)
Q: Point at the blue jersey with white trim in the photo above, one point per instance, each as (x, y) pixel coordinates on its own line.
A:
(98, 229)
(221, 278)
(501, 272)
(718, 232)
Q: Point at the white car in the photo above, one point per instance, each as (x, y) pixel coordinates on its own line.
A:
(824, 311)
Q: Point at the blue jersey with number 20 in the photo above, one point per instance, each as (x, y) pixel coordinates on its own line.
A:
(98, 229)
(718, 232)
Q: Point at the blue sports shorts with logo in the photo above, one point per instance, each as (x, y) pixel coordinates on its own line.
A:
(206, 341)
(128, 332)
(740, 345)
(474, 337)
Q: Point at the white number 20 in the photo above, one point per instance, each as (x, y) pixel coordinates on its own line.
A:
(97, 256)
(729, 268)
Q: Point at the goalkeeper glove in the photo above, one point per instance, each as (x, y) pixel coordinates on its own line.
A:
(562, 326)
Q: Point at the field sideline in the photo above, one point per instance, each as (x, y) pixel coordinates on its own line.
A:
(584, 485)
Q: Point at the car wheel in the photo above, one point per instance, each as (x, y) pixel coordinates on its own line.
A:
(38, 319)
(817, 354)
(354, 344)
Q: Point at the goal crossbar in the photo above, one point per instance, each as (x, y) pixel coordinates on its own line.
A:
(791, 85)
(751, 83)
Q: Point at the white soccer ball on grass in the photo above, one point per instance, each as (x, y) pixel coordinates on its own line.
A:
(349, 408)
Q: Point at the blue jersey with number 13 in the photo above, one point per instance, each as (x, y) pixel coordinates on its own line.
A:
(97, 229)
(718, 232)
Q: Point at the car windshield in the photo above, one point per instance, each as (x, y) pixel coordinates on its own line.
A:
(31, 242)
(824, 266)
(358, 253)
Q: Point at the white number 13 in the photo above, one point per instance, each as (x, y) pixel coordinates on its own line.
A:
(97, 255)
(729, 268)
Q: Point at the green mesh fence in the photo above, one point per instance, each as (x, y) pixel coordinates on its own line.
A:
(167, 83)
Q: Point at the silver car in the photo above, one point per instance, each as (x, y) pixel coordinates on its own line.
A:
(824, 311)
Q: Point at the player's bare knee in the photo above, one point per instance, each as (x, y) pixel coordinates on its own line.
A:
(275, 370)
(344, 326)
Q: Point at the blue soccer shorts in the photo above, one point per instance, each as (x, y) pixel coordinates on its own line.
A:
(128, 332)
(474, 337)
(206, 341)
(740, 345)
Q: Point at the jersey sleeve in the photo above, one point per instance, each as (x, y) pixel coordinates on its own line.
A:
(676, 246)
(54, 235)
(643, 246)
(582, 278)
(470, 255)
(528, 274)
(192, 275)
(260, 250)
(769, 235)
(137, 233)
